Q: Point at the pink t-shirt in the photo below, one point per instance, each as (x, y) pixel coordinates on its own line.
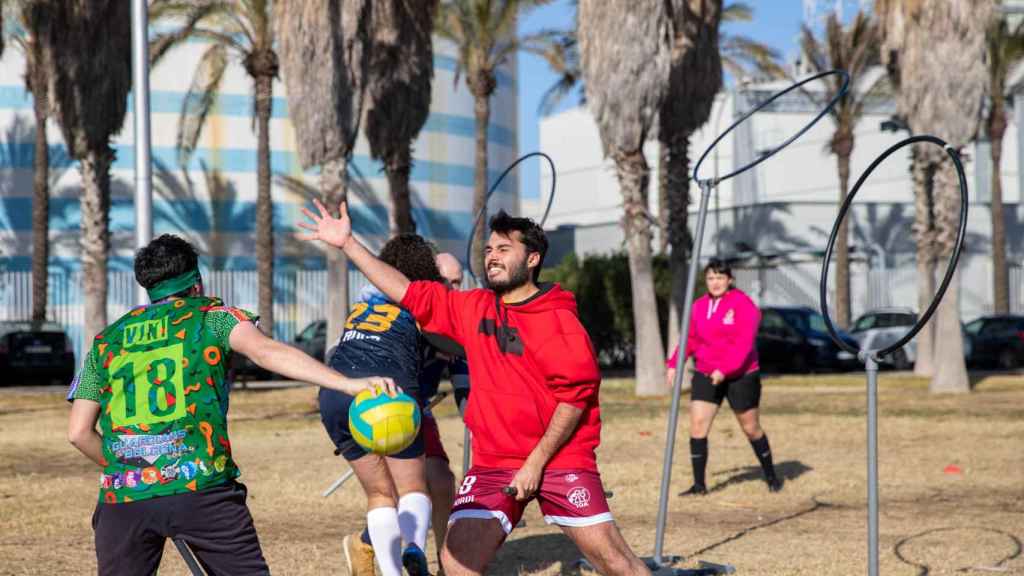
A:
(723, 334)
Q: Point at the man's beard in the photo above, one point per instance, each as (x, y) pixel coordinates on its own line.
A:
(518, 276)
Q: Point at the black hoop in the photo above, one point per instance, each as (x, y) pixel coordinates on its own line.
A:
(835, 99)
(494, 187)
(950, 268)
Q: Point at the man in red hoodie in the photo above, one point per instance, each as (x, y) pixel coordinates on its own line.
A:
(534, 410)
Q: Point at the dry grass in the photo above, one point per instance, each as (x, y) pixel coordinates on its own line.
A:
(932, 522)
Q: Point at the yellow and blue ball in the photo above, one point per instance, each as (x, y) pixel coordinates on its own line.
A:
(383, 425)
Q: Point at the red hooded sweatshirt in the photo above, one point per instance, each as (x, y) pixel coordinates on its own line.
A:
(524, 359)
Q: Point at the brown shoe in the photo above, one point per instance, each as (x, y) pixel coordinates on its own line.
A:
(358, 555)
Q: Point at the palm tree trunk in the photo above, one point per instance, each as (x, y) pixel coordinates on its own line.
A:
(633, 175)
(843, 247)
(1000, 273)
(482, 85)
(923, 229)
(264, 206)
(950, 368)
(398, 168)
(677, 170)
(95, 168)
(663, 193)
(334, 188)
(40, 191)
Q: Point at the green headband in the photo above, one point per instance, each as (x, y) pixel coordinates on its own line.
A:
(171, 286)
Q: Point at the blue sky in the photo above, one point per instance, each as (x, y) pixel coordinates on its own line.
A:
(776, 23)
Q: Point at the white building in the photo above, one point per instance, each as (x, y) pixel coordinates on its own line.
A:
(779, 214)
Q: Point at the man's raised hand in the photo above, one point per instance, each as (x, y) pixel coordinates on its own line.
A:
(326, 228)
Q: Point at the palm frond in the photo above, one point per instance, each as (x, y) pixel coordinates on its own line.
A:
(737, 12)
(202, 94)
(742, 56)
(162, 43)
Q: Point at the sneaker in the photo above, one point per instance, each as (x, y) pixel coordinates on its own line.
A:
(414, 561)
(774, 484)
(358, 555)
(695, 490)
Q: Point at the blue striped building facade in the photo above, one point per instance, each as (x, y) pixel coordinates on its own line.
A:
(212, 199)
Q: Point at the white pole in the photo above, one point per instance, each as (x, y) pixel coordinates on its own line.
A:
(140, 94)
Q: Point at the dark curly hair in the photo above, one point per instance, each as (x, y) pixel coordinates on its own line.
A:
(413, 256)
(164, 257)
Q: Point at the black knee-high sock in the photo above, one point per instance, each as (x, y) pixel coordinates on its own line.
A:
(764, 455)
(699, 459)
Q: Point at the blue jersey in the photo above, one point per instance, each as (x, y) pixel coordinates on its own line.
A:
(380, 339)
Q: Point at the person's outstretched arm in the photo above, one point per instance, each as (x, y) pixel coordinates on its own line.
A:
(337, 232)
(293, 363)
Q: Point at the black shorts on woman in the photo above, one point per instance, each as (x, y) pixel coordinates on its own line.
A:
(743, 392)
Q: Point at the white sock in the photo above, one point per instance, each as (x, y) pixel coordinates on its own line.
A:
(386, 537)
(414, 518)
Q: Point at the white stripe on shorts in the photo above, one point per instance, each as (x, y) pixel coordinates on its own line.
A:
(577, 521)
(498, 515)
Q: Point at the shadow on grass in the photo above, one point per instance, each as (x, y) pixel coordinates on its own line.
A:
(537, 553)
(786, 471)
(816, 506)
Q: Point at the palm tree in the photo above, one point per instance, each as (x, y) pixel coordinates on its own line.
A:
(484, 32)
(89, 80)
(37, 83)
(398, 91)
(243, 29)
(626, 57)
(331, 37)
(855, 50)
(922, 41)
(1005, 50)
(702, 53)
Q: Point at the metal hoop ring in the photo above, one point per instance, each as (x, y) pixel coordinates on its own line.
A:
(494, 187)
(835, 99)
(950, 267)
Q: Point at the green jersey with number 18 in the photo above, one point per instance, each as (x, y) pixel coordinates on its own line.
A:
(163, 409)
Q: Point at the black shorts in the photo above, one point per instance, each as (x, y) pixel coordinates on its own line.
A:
(744, 392)
(215, 523)
(334, 414)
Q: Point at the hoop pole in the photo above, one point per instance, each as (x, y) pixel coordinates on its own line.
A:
(188, 557)
(677, 383)
(871, 367)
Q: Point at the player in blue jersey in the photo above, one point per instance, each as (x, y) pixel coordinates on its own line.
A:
(380, 338)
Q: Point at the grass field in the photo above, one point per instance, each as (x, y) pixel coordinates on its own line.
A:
(932, 521)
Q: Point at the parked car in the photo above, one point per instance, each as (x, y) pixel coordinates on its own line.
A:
(996, 342)
(36, 353)
(313, 339)
(882, 327)
(795, 339)
(879, 328)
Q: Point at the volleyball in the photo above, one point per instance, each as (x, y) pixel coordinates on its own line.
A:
(384, 425)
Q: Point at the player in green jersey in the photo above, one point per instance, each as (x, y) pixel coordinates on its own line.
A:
(154, 381)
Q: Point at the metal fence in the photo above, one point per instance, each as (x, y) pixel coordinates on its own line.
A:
(300, 297)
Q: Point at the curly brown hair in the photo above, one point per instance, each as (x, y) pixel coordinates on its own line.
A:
(413, 256)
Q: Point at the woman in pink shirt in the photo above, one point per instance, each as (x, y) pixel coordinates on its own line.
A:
(722, 340)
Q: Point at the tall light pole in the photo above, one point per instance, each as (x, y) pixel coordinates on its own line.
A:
(140, 95)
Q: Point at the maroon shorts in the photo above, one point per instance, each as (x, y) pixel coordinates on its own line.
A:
(566, 498)
(432, 446)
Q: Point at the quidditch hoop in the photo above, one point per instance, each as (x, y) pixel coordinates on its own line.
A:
(835, 99)
(950, 267)
(494, 187)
